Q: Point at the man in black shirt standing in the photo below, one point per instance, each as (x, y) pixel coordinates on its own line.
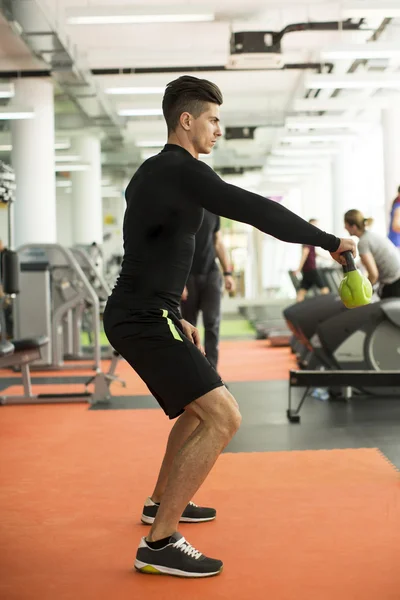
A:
(203, 287)
(166, 199)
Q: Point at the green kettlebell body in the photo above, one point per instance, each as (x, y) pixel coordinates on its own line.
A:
(355, 289)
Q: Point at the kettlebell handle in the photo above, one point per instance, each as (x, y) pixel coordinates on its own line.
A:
(350, 264)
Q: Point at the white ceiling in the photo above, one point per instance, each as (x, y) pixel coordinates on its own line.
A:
(251, 98)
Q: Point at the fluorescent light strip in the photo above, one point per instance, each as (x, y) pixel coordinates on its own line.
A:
(371, 50)
(283, 179)
(289, 171)
(132, 91)
(309, 152)
(305, 123)
(57, 146)
(63, 184)
(302, 138)
(353, 101)
(355, 81)
(365, 10)
(140, 112)
(288, 162)
(67, 158)
(149, 144)
(6, 90)
(14, 113)
(138, 19)
(62, 145)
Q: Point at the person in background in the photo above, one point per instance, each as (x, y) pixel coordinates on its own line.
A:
(96, 254)
(203, 287)
(6, 302)
(308, 269)
(378, 254)
(394, 225)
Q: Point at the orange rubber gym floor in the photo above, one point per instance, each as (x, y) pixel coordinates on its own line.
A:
(305, 512)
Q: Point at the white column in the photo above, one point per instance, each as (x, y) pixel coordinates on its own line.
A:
(342, 181)
(316, 196)
(64, 217)
(33, 162)
(87, 208)
(391, 154)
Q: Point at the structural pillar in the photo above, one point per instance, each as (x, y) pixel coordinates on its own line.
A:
(87, 208)
(33, 163)
(342, 181)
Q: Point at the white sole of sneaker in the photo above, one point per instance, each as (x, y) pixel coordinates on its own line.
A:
(150, 520)
(159, 570)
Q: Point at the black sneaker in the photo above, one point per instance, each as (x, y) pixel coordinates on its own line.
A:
(191, 514)
(177, 558)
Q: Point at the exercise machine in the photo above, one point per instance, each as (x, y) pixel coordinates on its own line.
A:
(52, 287)
(21, 353)
(81, 318)
(345, 345)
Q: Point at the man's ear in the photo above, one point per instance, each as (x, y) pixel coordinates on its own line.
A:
(186, 121)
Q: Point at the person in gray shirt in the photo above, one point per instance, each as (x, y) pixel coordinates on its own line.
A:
(378, 254)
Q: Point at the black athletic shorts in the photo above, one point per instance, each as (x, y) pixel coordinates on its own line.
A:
(311, 279)
(153, 343)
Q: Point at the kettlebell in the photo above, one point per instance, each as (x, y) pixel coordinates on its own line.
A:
(355, 289)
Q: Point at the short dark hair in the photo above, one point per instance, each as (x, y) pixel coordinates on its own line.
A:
(188, 94)
(311, 221)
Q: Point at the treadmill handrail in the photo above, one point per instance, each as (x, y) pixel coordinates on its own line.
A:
(89, 262)
(91, 294)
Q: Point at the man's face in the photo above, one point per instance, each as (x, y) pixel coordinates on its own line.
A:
(205, 130)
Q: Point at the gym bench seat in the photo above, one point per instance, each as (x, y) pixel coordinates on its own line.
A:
(346, 379)
(24, 352)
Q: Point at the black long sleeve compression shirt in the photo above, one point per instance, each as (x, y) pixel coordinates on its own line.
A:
(165, 202)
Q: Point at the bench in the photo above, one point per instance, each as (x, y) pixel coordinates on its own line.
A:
(21, 353)
(344, 379)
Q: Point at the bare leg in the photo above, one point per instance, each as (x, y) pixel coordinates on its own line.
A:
(182, 429)
(301, 294)
(219, 419)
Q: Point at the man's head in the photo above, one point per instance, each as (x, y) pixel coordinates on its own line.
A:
(313, 222)
(1, 246)
(398, 190)
(191, 111)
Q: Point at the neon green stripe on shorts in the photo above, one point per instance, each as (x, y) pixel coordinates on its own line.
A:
(172, 327)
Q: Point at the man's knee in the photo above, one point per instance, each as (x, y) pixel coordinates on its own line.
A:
(219, 410)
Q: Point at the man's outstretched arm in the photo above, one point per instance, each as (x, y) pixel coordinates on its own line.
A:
(211, 192)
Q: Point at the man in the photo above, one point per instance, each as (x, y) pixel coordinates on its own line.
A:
(165, 202)
(308, 269)
(203, 288)
(394, 227)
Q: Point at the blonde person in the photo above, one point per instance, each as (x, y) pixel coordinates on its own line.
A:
(378, 254)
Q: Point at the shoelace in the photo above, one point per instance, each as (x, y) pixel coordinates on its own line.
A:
(193, 504)
(185, 547)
